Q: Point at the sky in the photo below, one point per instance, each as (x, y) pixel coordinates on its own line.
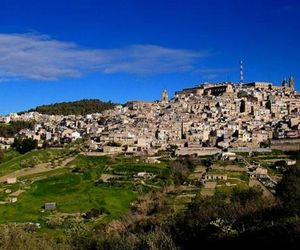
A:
(60, 50)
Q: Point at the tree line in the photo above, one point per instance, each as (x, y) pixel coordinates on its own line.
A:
(82, 107)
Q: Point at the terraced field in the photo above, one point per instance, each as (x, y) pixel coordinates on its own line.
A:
(76, 188)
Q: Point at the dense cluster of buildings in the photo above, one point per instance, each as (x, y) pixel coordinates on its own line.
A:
(201, 120)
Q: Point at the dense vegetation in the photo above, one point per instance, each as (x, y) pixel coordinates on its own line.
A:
(82, 107)
(12, 128)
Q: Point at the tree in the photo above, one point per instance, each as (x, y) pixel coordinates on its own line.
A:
(82, 107)
(288, 190)
(245, 195)
(114, 144)
(180, 172)
(207, 162)
(280, 164)
(25, 145)
(172, 149)
(189, 162)
(11, 129)
(1, 155)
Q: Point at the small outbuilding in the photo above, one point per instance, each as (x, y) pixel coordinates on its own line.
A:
(50, 206)
(11, 180)
(230, 156)
(13, 199)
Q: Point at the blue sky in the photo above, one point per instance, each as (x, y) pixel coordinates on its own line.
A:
(53, 51)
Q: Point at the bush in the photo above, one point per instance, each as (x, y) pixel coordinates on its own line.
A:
(95, 213)
(15, 237)
(30, 163)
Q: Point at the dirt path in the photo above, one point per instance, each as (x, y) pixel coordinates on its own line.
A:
(17, 193)
(41, 168)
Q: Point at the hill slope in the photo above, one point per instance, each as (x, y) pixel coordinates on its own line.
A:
(82, 107)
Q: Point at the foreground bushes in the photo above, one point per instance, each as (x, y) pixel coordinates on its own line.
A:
(16, 238)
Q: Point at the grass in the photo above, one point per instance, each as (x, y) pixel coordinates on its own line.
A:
(44, 175)
(72, 193)
(217, 171)
(89, 161)
(227, 191)
(273, 153)
(242, 176)
(76, 188)
(131, 168)
(10, 154)
(14, 163)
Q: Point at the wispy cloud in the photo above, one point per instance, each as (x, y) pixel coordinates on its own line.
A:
(212, 73)
(39, 57)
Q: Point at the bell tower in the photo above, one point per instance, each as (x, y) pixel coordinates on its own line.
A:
(292, 83)
(165, 97)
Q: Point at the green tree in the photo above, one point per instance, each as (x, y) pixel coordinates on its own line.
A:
(1, 155)
(11, 129)
(288, 190)
(246, 195)
(180, 172)
(25, 145)
(281, 164)
(82, 107)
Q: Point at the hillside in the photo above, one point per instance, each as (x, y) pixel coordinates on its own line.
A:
(82, 107)
(70, 200)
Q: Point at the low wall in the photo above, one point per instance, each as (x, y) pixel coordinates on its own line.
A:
(286, 144)
(248, 149)
(198, 151)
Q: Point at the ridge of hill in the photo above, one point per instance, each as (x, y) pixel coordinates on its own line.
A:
(81, 107)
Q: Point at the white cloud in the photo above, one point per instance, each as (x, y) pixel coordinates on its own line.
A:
(212, 73)
(39, 57)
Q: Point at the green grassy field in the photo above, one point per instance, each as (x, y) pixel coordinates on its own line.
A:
(13, 162)
(240, 175)
(74, 189)
(72, 193)
(10, 154)
(135, 167)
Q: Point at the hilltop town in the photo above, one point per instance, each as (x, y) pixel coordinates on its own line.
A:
(202, 120)
(213, 148)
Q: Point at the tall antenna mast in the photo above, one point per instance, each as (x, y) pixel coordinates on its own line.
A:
(241, 73)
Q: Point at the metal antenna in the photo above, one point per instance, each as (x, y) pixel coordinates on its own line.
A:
(241, 73)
